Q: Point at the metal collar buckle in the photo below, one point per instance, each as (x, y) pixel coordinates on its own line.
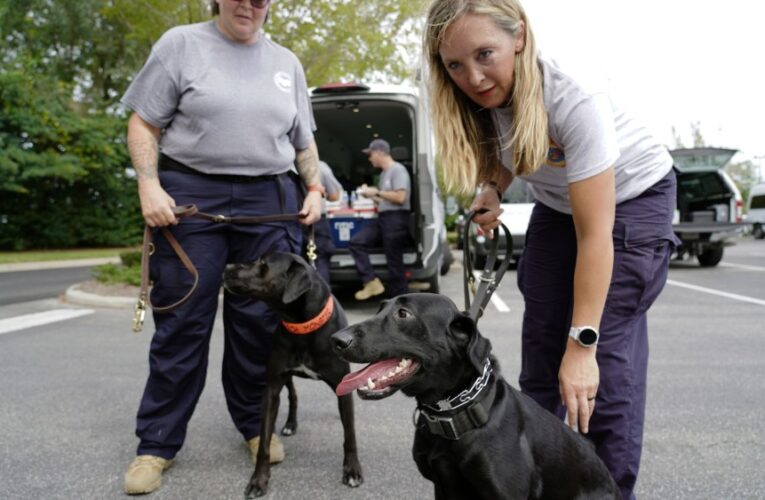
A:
(442, 426)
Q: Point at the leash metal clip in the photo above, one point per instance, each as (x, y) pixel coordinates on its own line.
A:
(311, 251)
(139, 315)
(220, 218)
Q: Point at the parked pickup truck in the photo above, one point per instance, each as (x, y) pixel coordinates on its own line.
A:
(709, 205)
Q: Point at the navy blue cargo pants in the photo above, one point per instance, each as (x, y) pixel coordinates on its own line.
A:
(643, 243)
(180, 346)
(390, 230)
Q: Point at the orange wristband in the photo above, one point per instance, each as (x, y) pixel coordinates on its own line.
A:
(319, 188)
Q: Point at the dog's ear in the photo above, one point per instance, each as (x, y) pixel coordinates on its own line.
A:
(299, 282)
(478, 347)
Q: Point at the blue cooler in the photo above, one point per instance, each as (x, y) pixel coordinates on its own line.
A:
(344, 228)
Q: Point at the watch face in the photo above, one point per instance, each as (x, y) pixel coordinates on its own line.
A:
(588, 336)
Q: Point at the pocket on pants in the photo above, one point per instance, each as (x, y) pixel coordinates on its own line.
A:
(638, 276)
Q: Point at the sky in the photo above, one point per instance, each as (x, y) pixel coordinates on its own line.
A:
(669, 62)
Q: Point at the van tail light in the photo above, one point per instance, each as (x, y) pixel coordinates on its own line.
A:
(739, 210)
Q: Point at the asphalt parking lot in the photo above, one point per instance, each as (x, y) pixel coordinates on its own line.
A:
(69, 391)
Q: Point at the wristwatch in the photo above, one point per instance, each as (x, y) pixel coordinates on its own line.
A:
(586, 336)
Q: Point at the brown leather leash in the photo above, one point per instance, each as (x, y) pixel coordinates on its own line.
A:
(191, 211)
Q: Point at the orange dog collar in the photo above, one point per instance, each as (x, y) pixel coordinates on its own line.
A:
(313, 324)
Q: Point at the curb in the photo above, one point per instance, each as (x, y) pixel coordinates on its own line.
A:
(74, 295)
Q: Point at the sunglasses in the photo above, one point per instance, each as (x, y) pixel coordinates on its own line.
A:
(257, 4)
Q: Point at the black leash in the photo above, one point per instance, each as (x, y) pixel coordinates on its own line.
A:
(489, 279)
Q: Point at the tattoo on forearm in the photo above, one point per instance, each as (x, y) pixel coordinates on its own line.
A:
(144, 154)
(308, 166)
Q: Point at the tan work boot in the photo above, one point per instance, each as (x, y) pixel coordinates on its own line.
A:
(371, 289)
(144, 474)
(275, 451)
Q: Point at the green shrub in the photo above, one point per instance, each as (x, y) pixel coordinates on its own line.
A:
(131, 258)
(114, 274)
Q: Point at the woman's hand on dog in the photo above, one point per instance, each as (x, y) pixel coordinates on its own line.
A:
(579, 377)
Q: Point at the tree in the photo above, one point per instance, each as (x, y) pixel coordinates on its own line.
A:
(745, 174)
(677, 139)
(64, 64)
(698, 139)
(63, 181)
(365, 40)
(98, 45)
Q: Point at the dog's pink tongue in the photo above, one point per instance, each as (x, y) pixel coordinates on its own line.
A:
(354, 380)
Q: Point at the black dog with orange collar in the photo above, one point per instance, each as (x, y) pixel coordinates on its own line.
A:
(309, 315)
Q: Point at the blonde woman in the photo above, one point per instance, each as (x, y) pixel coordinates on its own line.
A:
(600, 236)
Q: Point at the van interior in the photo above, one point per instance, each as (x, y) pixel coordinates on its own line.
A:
(346, 127)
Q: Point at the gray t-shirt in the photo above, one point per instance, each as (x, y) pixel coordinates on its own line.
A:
(330, 183)
(588, 134)
(225, 107)
(394, 178)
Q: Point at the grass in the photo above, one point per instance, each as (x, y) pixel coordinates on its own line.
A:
(69, 254)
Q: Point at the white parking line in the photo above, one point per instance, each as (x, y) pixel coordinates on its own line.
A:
(712, 291)
(499, 304)
(742, 266)
(42, 318)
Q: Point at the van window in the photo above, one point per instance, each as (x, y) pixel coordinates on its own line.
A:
(757, 201)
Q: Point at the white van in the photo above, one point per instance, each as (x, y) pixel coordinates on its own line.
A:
(348, 117)
(756, 211)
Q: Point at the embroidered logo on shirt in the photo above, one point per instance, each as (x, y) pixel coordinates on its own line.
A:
(555, 156)
(283, 81)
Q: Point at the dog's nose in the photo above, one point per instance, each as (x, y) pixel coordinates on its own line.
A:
(342, 340)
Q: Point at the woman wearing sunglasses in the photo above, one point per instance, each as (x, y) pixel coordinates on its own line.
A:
(220, 116)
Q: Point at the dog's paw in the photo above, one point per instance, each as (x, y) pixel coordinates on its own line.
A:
(255, 490)
(289, 429)
(353, 479)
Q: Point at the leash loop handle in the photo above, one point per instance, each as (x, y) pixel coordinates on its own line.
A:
(489, 279)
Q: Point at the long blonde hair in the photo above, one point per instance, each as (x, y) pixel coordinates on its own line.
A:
(468, 146)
